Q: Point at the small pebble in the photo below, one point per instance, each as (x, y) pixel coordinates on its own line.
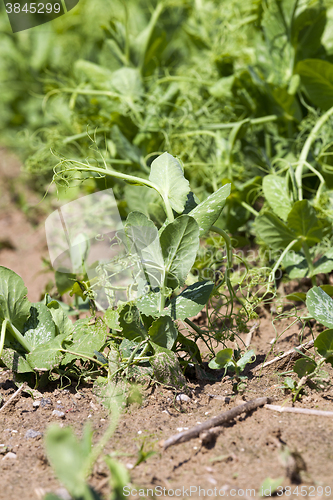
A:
(77, 396)
(129, 466)
(183, 398)
(59, 402)
(139, 432)
(93, 406)
(45, 401)
(9, 456)
(32, 434)
(35, 404)
(59, 414)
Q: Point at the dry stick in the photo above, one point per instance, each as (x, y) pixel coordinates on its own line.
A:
(195, 431)
(306, 411)
(19, 390)
(285, 355)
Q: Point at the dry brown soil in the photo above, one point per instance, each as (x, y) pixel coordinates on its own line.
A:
(296, 448)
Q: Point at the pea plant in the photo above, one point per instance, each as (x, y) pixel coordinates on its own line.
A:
(41, 338)
(310, 367)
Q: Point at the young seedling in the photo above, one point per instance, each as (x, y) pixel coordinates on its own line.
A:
(231, 360)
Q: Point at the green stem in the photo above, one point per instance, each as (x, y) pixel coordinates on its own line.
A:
(254, 121)
(19, 337)
(82, 167)
(309, 262)
(85, 134)
(229, 259)
(80, 355)
(195, 327)
(3, 335)
(278, 262)
(250, 209)
(321, 178)
(150, 28)
(306, 148)
(98, 448)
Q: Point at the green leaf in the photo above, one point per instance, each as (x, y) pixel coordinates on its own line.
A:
(317, 79)
(167, 174)
(39, 328)
(191, 300)
(208, 211)
(324, 345)
(302, 219)
(163, 332)
(271, 485)
(14, 304)
(273, 231)
(189, 346)
(15, 361)
(111, 319)
(295, 265)
(149, 304)
(327, 289)
(61, 320)
(307, 30)
(69, 457)
(180, 244)
(129, 321)
(248, 357)
(276, 194)
(320, 306)
(144, 242)
(119, 477)
(325, 263)
(297, 296)
(47, 356)
(64, 282)
(94, 73)
(167, 369)
(290, 383)
(304, 367)
(221, 360)
(86, 340)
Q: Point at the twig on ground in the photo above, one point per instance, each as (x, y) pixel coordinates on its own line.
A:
(291, 352)
(19, 390)
(195, 431)
(210, 435)
(305, 411)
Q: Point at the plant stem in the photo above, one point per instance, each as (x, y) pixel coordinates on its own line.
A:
(79, 355)
(250, 209)
(254, 121)
(19, 337)
(98, 448)
(83, 167)
(309, 262)
(306, 148)
(285, 251)
(229, 260)
(3, 335)
(195, 327)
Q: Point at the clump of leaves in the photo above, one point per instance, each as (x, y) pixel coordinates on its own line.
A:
(228, 359)
(310, 367)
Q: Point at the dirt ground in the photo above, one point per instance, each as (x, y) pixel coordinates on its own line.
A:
(294, 449)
